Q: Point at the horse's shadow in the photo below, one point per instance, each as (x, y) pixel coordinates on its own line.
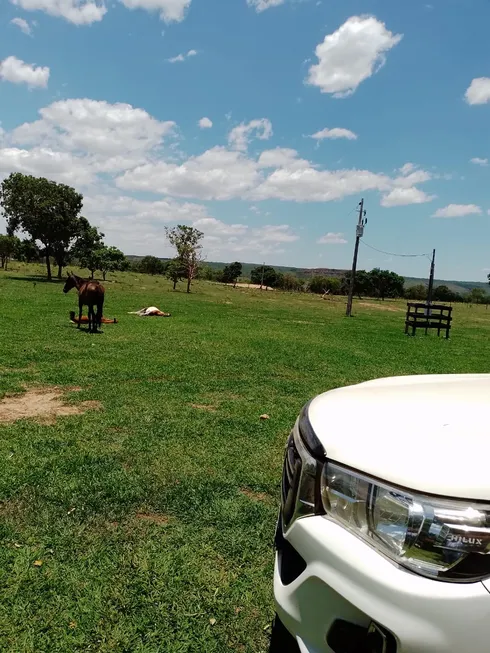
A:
(84, 329)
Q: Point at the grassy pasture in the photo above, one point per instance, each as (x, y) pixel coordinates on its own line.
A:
(146, 525)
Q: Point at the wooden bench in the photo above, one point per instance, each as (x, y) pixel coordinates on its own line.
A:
(425, 316)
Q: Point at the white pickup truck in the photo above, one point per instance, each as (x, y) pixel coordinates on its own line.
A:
(383, 538)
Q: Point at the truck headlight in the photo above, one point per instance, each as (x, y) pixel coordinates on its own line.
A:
(446, 539)
(441, 538)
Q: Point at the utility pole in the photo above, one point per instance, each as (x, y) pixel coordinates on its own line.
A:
(359, 233)
(431, 279)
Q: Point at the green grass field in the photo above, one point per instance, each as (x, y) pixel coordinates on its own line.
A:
(153, 517)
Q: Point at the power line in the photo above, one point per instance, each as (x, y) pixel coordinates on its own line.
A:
(393, 254)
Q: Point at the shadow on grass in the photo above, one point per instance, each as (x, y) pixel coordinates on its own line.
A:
(35, 279)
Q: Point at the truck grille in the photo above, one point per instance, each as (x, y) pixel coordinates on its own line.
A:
(290, 479)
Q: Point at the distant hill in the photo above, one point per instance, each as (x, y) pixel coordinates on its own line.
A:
(462, 287)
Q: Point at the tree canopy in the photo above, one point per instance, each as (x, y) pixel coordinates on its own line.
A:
(418, 291)
(87, 245)
(44, 209)
(8, 247)
(187, 242)
(320, 284)
(175, 271)
(231, 272)
(386, 284)
(151, 265)
(264, 275)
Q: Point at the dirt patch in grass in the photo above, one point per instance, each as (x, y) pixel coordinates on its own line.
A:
(254, 286)
(262, 497)
(382, 307)
(44, 405)
(152, 518)
(11, 508)
(209, 407)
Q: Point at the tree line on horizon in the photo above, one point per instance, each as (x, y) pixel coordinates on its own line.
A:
(48, 214)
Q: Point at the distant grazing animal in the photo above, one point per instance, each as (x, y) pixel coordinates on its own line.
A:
(84, 319)
(149, 312)
(90, 294)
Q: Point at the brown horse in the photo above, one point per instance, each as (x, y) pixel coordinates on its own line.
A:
(90, 294)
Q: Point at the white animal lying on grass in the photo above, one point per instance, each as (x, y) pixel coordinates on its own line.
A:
(150, 311)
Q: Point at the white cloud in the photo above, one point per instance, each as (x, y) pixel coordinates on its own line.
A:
(205, 123)
(281, 157)
(18, 72)
(403, 196)
(60, 166)
(407, 168)
(23, 25)
(227, 241)
(478, 91)
(239, 136)
(182, 57)
(457, 211)
(216, 174)
(116, 136)
(170, 11)
(409, 179)
(334, 133)
(311, 185)
(90, 144)
(479, 162)
(213, 227)
(137, 226)
(350, 55)
(276, 234)
(78, 12)
(108, 208)
(262, 5)
(332, 239)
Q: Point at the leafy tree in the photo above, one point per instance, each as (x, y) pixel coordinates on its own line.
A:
(290, 282)
(264, 275)
(386, 283)
(442, 294)
(8, 246)
(175, 271)
(27, 251)
(210, 274)
(320, 284)
(85, 249)
(187, 242)
(363, 286)
(477, 296)
(44, 209)
(317, 284)
(151, 265)
(110, 259)
(418, 291)
(232, 272)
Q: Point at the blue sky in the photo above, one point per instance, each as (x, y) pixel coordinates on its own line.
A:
(261, 122)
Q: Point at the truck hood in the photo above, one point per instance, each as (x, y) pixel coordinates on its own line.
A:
(425, 433)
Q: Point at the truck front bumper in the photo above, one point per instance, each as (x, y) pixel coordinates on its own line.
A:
(325, 576)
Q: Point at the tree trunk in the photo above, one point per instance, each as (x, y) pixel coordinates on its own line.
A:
(92, 274)
(48, 265)
(175, 284)
(189, 280)
(103, 274)
(60, 271)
